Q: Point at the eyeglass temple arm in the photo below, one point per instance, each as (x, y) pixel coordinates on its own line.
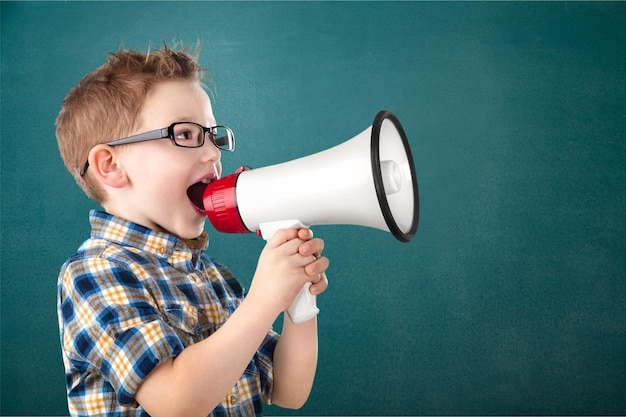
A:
(142, 137)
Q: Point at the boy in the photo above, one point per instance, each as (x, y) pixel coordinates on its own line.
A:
(150, 324)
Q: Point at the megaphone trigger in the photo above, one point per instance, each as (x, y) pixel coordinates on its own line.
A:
(268, 229)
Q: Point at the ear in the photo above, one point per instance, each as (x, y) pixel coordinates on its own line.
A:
(104, 166)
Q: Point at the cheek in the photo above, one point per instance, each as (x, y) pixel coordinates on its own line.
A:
(154, 159)
(149, 171)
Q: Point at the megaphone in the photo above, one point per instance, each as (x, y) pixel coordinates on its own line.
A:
(368, 180)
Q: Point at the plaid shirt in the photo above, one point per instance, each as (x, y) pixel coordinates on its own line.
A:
(131, 298)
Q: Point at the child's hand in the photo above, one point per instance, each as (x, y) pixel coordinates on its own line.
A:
(317, 268)
(290, 258)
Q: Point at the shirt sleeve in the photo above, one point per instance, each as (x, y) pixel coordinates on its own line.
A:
(264, 358)
(111, 325)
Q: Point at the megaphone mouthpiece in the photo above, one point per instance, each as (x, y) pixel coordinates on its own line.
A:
(220, 205)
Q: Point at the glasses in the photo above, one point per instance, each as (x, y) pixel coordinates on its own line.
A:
(182, 134)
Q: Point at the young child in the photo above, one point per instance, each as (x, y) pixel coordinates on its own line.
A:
(149, 323)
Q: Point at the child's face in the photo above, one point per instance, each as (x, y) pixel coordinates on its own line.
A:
(159, 172)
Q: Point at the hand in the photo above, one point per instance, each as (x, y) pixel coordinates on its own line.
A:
(317, 268)
(290, 258)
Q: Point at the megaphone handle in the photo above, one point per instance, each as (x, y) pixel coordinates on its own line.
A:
(304, 306)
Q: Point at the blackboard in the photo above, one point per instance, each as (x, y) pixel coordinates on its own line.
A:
(511, 299)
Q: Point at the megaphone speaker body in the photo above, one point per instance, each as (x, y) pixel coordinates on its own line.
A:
(368, 180)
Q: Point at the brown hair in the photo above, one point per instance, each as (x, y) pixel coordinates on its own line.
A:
(106, 104)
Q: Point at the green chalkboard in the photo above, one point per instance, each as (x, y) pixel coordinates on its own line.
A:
(511, 299)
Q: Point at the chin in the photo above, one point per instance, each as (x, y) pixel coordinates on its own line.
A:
(194, 225)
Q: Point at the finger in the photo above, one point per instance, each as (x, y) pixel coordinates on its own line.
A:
(281, 236)
(320, 285)
(317, 267)
(305, 233)
(312, 247)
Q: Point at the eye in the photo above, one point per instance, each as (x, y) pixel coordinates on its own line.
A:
(188, 134)
(184, 135)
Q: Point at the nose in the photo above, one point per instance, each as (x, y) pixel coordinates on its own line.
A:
(210, 152)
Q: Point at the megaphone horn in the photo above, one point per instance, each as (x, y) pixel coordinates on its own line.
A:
(368, 180)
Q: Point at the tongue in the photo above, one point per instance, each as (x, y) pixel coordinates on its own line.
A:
(195, 193)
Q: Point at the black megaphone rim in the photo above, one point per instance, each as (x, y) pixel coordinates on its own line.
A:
(378, 178)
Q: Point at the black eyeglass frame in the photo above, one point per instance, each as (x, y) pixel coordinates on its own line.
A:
(168, 133)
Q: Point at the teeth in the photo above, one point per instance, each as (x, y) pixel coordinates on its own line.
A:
(206, 181)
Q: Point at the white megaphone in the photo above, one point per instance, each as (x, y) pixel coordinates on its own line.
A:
(368, 180)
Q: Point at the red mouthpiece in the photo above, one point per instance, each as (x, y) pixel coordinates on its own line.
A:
(220, 204)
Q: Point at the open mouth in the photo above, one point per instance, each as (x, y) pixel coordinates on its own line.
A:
(195, 194)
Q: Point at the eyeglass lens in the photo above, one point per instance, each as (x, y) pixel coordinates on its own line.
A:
(191, 135)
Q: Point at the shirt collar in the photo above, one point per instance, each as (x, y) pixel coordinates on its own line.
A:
(118, 230)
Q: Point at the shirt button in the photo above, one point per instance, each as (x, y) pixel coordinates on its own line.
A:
(162, 250)
(233, 400)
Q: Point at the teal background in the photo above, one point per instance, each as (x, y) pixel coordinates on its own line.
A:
(511, 299)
